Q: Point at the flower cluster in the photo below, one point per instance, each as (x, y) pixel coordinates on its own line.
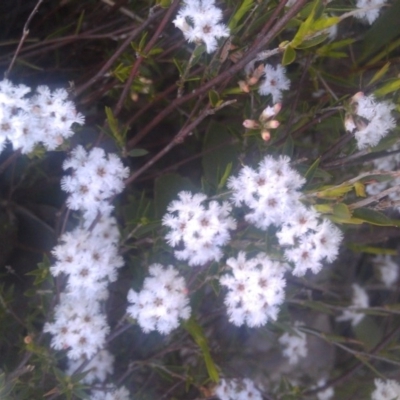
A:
(200, 231)
(79, 325)
(199, 20)
(369, 120)
(386, 390)
(389, 270)
(271, 192)
(369, 9)
(89, 258)
(274, 82)
(255, 289)
(237, 389)
(360, 300)
(95, 179)
(273, 196)
(309, 240)
(46, 117)
(161, 302)
(295, 345)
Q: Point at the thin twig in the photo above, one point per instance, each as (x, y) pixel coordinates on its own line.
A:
(25, 33)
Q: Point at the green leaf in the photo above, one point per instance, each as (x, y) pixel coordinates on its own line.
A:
(288, 56)
(378, 75)
(309, 175)
(341, 211)
(213, 96)
(142, 42)
(329, 192)
(389, 87)
(240, 13)
(306, 44)
(324, 23)
(371, 250)
(373, 217)
(178, 66)
(306, 27)
(226, 175)
(137, 152)
(198, 336)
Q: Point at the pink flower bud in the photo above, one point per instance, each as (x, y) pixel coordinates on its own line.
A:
(266, 135)
(251, 124)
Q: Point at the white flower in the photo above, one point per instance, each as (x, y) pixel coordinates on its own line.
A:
(98, 368)
(295, 345)
(369, 9)
(274, 82)
(79, 326)
(110, 393)
(389, 390)
(372, 120)
(237, 389)
(46, 117)
(89, 258)
(199, 20)
(389, 270)
(95, 179)
(162, 301)
(255, 289)
(200, 231)
(270, 192)
(359, 300)
(326, 394)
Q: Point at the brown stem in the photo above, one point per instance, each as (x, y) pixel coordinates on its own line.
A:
(115, 56)
(25, 33)
(149, 46)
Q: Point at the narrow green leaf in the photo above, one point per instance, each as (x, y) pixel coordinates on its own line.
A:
(306, 44)
(198, 336)
(80, 21)
(360, 189)
(372, 250)
(213, 96)
(288, 56)
(137, 153)
(178, 66)
(329, 192)
(373, 217)
(389, 87)
(226, 175)
(240, 13)
(379, 74)
(288, 147)
(142, 42)
(309, 175)
(324, 23)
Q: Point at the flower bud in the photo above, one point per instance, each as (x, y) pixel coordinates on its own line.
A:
(266, 135)
(251, 124)
(244, 86)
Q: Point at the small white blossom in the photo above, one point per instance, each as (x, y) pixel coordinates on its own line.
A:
(389, 270)
(46, 117)
(255, 289)
(360, 300)
(371, 121)
(200, 231)
(274, 82)
(295, 345)
(101, 365)
(237, 389)
(199, 20)
(96, 177)
(326, 394)
(386, 390)
(369, 9)
(271, 192)
(162, 301)
(110, 393)
(79, 326)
